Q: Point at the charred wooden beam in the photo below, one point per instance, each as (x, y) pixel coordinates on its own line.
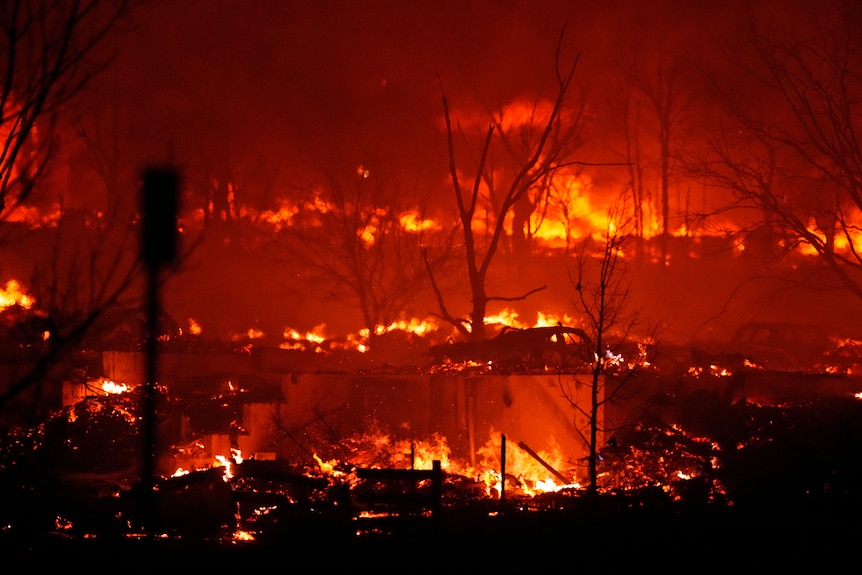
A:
(544, 463)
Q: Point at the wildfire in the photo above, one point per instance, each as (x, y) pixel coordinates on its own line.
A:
(294, 339)
(14, 294)
(714, 370)
(109, 386)
(530, 470)
(281, 217)
(413, 222)
(228, 462)
(32, 216)
(415, 325)
(328, 467)
(194, 326)
(511, 318)
(224, 461)
(250, 333)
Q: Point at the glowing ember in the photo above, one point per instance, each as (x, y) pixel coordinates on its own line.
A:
(32, 216)
(714, 370)
(63, 523)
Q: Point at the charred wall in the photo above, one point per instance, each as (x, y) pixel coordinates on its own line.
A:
(465, 410)
(295, 415)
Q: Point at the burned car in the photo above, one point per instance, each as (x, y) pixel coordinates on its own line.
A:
(558, 346)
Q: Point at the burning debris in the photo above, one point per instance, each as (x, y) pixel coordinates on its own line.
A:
(515, 350)
(784, 347)
(60, 470)
(368, 457)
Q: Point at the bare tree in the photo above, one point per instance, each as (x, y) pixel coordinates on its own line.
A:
(663, 93)
(543, 149)
(77, 284)
(601, 294)
(631, 122)
(49, 51)
(648, 103)
(358, 237)
(792, 156)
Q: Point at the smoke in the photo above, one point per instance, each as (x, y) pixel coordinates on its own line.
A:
(260, 93)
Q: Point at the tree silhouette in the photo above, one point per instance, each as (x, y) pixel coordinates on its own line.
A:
(601, 294)
(542, 147)
(357, 236)
(792, 156)
(50, 51)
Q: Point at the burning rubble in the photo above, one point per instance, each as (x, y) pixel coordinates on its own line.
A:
(259, 444)
(76, 474)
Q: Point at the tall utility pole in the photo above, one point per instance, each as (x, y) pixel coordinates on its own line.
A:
(159, 206)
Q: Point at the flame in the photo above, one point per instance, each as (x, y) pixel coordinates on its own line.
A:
(504, 317)
(414, 325)
(548, 320)
(228, 462)
(357, 343)
(62, 523)
(848, 240)
(715, 370)
(376, 448)
(110, 387)
(282, 216)
(250, 333)
(14, 294)
(424, 453)
(194, 326)
(720, 371)
(411, 221)
(32, 216)
(532, 476)
(316, 334)
(511, 318)
(326, 467)
(313, 339)
(522, 113)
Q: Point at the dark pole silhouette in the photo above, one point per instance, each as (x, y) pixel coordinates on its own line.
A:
(502, 472)
(158, 249)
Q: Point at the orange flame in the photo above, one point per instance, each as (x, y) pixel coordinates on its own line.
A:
(14, 294)
(111, 387)
(194, 326)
